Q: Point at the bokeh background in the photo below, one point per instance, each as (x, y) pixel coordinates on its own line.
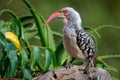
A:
(94, 13)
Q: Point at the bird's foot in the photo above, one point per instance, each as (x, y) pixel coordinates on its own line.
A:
(68, 66)
(91, 76)
(86, 70)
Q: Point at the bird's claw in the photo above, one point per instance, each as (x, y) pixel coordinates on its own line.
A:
(86, 70)
(68, 66)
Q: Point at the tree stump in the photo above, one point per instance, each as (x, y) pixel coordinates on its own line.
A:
(75, 73)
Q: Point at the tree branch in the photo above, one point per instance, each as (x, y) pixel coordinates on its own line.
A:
(75, 73)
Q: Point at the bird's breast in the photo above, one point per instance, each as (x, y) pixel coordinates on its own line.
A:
(70, 43)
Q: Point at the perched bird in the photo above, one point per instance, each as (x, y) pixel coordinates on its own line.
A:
(77, 42)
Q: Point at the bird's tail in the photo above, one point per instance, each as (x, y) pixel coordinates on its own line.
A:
(93, 62)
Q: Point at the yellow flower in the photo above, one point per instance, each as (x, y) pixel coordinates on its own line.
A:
(13, 38)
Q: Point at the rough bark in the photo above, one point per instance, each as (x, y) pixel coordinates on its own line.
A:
(75, 73)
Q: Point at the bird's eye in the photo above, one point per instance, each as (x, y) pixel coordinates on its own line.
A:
(65, 12)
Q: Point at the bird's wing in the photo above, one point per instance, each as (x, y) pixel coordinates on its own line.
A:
(85, 43)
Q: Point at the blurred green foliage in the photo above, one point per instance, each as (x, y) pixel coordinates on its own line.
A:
(42, 48)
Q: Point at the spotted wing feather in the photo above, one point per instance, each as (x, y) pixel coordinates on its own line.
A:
(87, 45)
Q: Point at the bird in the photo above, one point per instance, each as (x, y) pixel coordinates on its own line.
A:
(77, 42)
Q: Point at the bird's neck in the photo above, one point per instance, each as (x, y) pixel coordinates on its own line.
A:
(72, 23)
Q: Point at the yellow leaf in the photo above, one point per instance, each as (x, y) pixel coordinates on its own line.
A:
(13, 38)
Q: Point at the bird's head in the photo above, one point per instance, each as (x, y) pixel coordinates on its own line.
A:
(68, 14)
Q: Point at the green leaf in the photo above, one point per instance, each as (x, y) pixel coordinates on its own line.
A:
(13, 63)
(36, 56)
(53, 59)
(1, 23)
(49, 33)
(65, 58)
(10, 46)
(4, 26)
(93, 33)
(57, 34)
(19, 24)
(109, 57)
(4, 64)
(28, 24)
(106, 26)
(25, 18)
(8, 11)
(59, 52)
(14, 27)
(47, 60)
(50, 39)
(92, 30)
(26, 42)
(102, 62)
(41, 30)
(27, 74)
(3, 39)
(24, 58)
(17, 21)
(1, 53)
(111, 68)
